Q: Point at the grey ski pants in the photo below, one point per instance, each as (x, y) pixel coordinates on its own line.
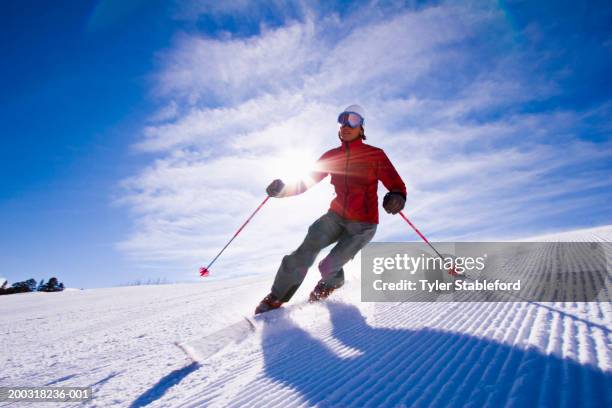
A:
(350, 237)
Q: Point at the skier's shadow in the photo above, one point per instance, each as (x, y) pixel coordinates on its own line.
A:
(426, 367)
(163, 385)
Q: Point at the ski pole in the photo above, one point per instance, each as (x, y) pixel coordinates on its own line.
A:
(204, 271)
(451, 270)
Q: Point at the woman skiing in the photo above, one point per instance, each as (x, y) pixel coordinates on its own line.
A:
(351, 221)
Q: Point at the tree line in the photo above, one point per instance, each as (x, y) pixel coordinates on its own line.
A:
(30, 285)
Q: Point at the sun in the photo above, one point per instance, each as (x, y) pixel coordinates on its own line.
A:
(292, 165)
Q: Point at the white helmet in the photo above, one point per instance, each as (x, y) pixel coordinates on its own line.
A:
(358, 109)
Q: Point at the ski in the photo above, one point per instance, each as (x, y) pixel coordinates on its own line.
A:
(200, 350)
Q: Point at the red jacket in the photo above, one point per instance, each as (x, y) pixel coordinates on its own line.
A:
(355, 170)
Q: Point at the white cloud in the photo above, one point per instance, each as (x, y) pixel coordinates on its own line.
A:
(165, 113)
(228, 72)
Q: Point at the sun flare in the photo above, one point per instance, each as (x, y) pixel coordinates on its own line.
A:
(293, 165)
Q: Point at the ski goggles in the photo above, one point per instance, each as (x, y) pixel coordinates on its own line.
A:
(351, 119)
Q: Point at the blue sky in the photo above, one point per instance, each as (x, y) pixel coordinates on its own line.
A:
(136, 136)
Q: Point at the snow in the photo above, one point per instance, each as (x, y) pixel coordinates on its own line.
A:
(121, 341)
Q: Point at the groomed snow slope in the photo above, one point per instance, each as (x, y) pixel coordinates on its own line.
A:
(342, 352)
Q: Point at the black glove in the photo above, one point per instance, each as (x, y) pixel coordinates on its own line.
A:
(275, 188)
(394, 202)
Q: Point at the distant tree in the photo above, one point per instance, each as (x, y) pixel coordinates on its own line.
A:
(25, 286)
(52, 282)
(31, 284)
(3, 289)
(41, 285)
(52, 286)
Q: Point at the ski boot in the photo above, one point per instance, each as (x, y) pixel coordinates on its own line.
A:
(321, 291)
(268, 303)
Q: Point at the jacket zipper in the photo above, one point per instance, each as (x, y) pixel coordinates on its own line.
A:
(348, 155)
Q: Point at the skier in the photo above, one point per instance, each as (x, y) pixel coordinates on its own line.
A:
(352, 218)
